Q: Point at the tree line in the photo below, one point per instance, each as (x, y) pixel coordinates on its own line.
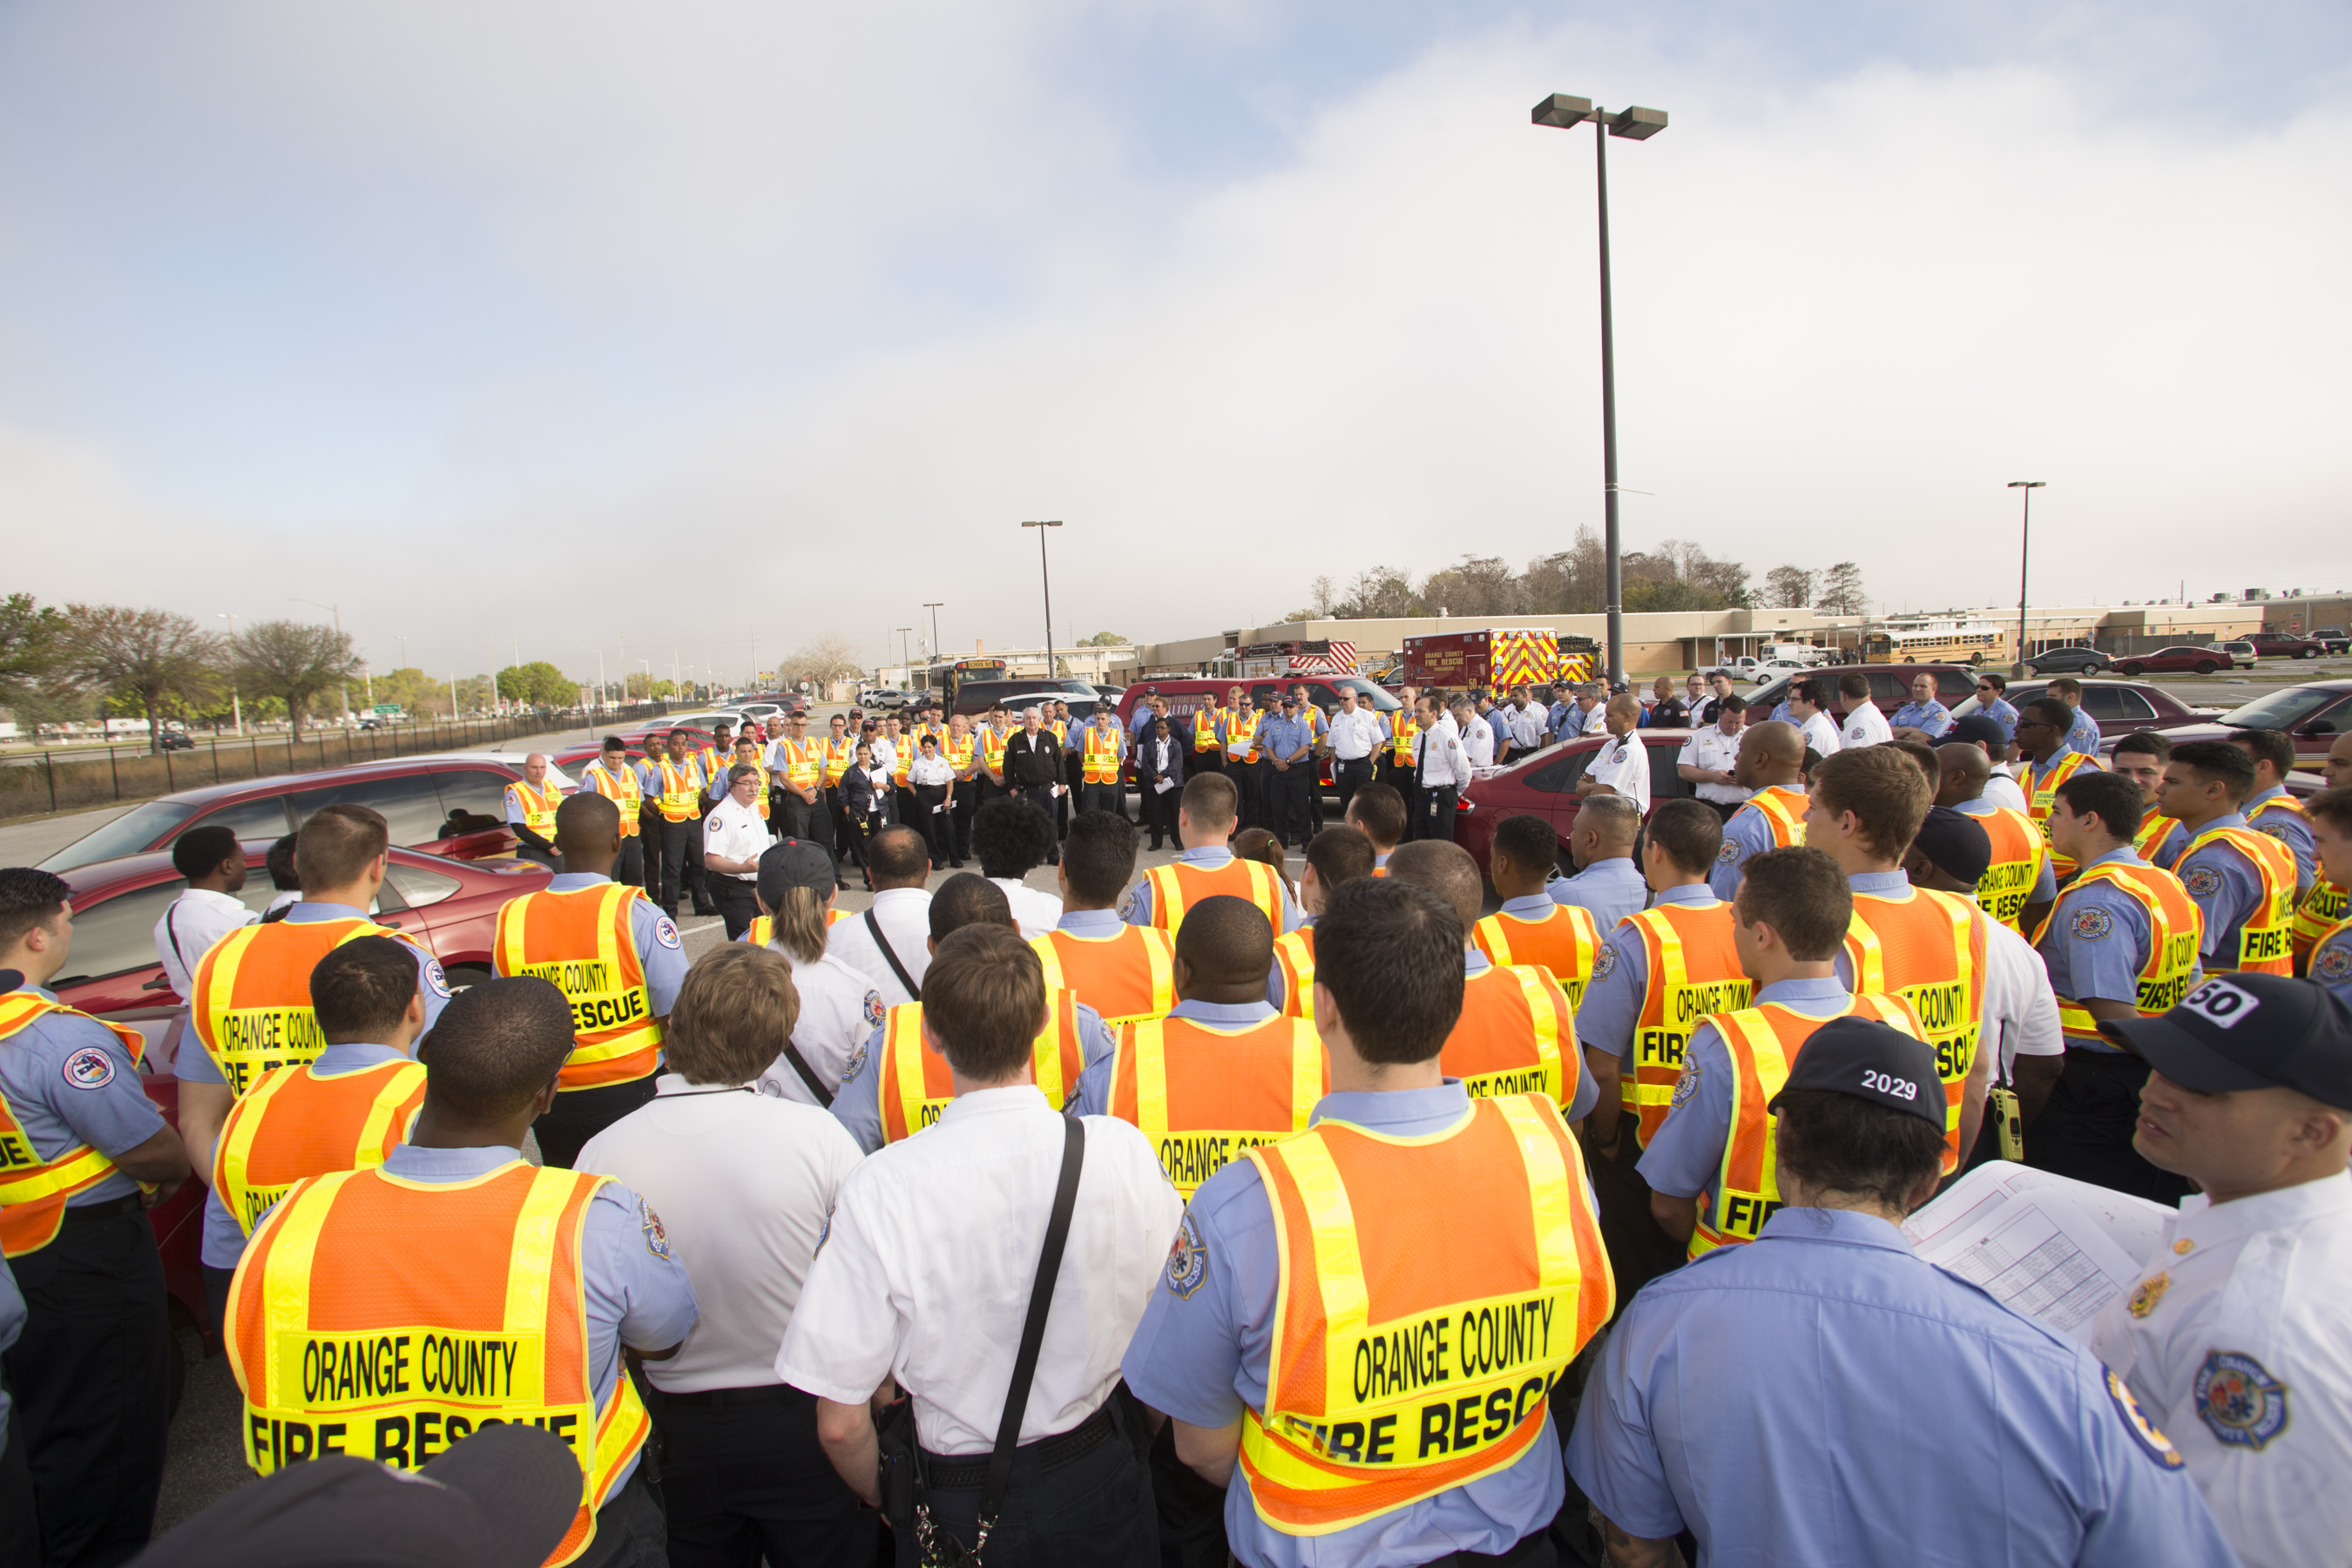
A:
(1678, 575)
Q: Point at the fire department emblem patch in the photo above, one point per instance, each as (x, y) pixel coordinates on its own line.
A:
(2241, 1404)
(90, 1068)
(2203, 881)
(1685, 1087)
(657, 1238)
(2334, 964)
(665, 931)
(2091, 924)
(856, 1062)
(1729, 853)
(1188, 1262)
(873, 1011)
(434, 981)
(2152, 1443)
(1603, 961)
(2148, 1293)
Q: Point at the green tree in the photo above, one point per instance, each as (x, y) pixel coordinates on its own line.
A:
(537, 684)
(293, 661)
(32, 645)
(1104, 639)
(145, 661)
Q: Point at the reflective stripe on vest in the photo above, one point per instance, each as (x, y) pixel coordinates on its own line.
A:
(2320, 910)
(680, 791)
(1102, 757)
(958, 751)
(621, 789)
(1232, 1090)
(388, 1319)
(1925, 948)
(992, 750)
(1177, 884)
(2017, 856)
(1125, 977)
(912, 1084)
(2176, 930)
(838, 756)
(1204, 730)
(802, 762)
(1294, 954)
(1565, 943)
(2266, 941)
(1763, 1041)
(583, 943)
(1784, 811)
(296, 1124)
(1401, 735)
(1483, 1239)
(33, 1191)
(763, 927)
(1694, 971)
(252, 1005)
(538, 806)
(1515, 1036)
(2155, 827)
(2041, 787)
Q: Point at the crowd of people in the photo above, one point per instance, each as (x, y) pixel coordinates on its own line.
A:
(1255, 1206)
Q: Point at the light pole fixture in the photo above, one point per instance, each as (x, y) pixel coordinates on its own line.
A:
(1562, 112)
(2024, 545)
(934, 607)
(342, 688)
(236, 709)
(905, 658)
(1046, 581)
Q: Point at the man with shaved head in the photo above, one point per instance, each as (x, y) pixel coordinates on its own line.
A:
(2019, 887)
(1516, 1033)
(531, 812)
(1607, 882)
(1771, 763)
(1624, 765)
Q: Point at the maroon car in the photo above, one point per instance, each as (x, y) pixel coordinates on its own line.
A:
(2177, 660)
(1543, 783)
(112, 973)
(447, 805)
(1890, 686)
(2312, 714)
(2118, 707)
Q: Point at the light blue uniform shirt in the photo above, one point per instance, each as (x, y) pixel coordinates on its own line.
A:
(1930, 716)
(1748, 832)
(1611, 888)
(2226, 887)
(1556, 719)
(1278, 986)
(2169, 847)
(659, 950)
(1822, 1395)
(1620, 985)
(2331, 965)
(1135, 908)
(1093, 1084)
(2083, 736)
(1587, 1092)
(223, 1242)
(2045, 885)
(194, 1064)
(1278, 737)
(637, 1294)
(70, 1082)
(1201, 1357)
(2096, 944)
(1685, 1156)
(2291, 828)
(1999, 711)
(857, 1104)
(650, 776)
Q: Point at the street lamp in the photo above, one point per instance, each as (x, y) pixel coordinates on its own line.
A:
(905, 658)
(2024, 543)
(343, 689)
(1561, 111)
(934, 607)
(1046, 581)
(236, 709)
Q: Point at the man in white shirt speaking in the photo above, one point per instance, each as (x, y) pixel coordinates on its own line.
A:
(1808, 709)
(214, 863)
(933, 1293)
(1864, 724)
(1709, 757)
(1622, 766)
(734, 836)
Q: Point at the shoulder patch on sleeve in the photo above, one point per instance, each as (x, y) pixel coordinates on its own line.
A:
(824, 1233)
(89, 1069)
(665, 931)
(2152, 1443)
(1729, 852)
(873, 1011)
(2239, 1401)
(1127, 901)
(2091, 924)
(1684, 1086)
(2203, 881)
(1604, 961)
(435, 980)
(1188, 1261)
(657, 1238)
(2334, 962)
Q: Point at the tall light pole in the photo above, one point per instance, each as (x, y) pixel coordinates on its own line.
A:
(1045, 579)
(1561, 111)
(343, 689)
(2024, 545)
(934, 607)
(236, 709)
(905, 658)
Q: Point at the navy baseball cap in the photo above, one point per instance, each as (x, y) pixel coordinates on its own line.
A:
(1871, 1061)
(1980, 728)
(795, 863)
(2239, 1031)
(1955, 843)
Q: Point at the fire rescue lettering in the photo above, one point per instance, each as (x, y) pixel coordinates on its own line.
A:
(1520, 1080)
(15, 1152)
(595, 992)
(1663, 1046)
(2179, 968)
(2003, 890)
(1190, 1158)
(442, 1383)
(256, 1040)
(1485, 1345)
(1744, 1213)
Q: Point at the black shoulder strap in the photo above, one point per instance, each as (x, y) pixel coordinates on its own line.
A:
(1032, 1332)
(890, 956)
(808, 1075)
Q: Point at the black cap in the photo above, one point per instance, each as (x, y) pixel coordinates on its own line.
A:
(1871, 1061)
(1955, 843)
(795, 863)
(499, 1498)
(2249, 1031)
(1981, 728)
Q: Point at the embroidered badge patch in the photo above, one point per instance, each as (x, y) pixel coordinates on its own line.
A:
(855, 1064)
(92, 1069)
(434, 981)
(2091, 924)
(657, 1238)
(1684, 1086)
(2334, 962)
(2241, 1404)
(2203, 881)
(1126, 902)
(1729, 853)
(2152, 1443)
(1188, 1261)
(665, 931)
(1604, 961)
(2148, 1293)
(872, 1010)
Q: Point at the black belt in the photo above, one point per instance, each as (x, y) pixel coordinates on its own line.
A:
(1053, 1453)
(91, 1213)
(762, 1393)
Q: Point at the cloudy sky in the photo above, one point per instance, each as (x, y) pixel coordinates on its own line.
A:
(549, 325)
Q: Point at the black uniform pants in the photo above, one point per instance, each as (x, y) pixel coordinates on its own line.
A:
(796, 819)
(2085, 1130)
(579, 1115)
(1433, 813)
(1286, 790)
(1314, 766)
(1094, 1511)
(1245, 777)
(629, 870)
(1159, 811)
(738, 905)
(746, 1478)
(20, 1528)
(937, 830)
(969, 793)
(629, 1528)
(1350, 775)
(1101, 797)
(90, 1376)
(679, 842)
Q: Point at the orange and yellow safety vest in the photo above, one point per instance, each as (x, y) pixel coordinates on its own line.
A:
(296, 1124)
(1694, 970)
(582, 941)
(1927, 948)
(33, 1191)
(1205, 1095)
(1180, 884)
(1566, 942)
(1516, 1036)
(912, 1084)
(1123, 978)
(2266, 941)
(2176, 930)
(251, 1011)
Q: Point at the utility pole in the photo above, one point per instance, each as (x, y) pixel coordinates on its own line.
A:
(1045, 579)
(236, 708)
(2024, 547)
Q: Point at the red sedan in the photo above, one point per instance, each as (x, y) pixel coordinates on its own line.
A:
(2177, 660)
(2313, 714)
(1543, 783)
(451, 906)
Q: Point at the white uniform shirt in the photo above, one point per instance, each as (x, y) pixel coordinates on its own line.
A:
(1713, 750)
(929, 771)
(1478, 742)
(2234, 1345)
(2019, 1001)
(1035, 912)
(1439, 751)
(195, 920)
(1596, 720)
(926, 1272)
(735, 832)
(1865, 726)
(885, 756)
(2002, 789)
(905, 916)
(839, 1007)
(1355, 735)
(1527, 725)
(742, 1183)
(1822, 735)
(1624, 764)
